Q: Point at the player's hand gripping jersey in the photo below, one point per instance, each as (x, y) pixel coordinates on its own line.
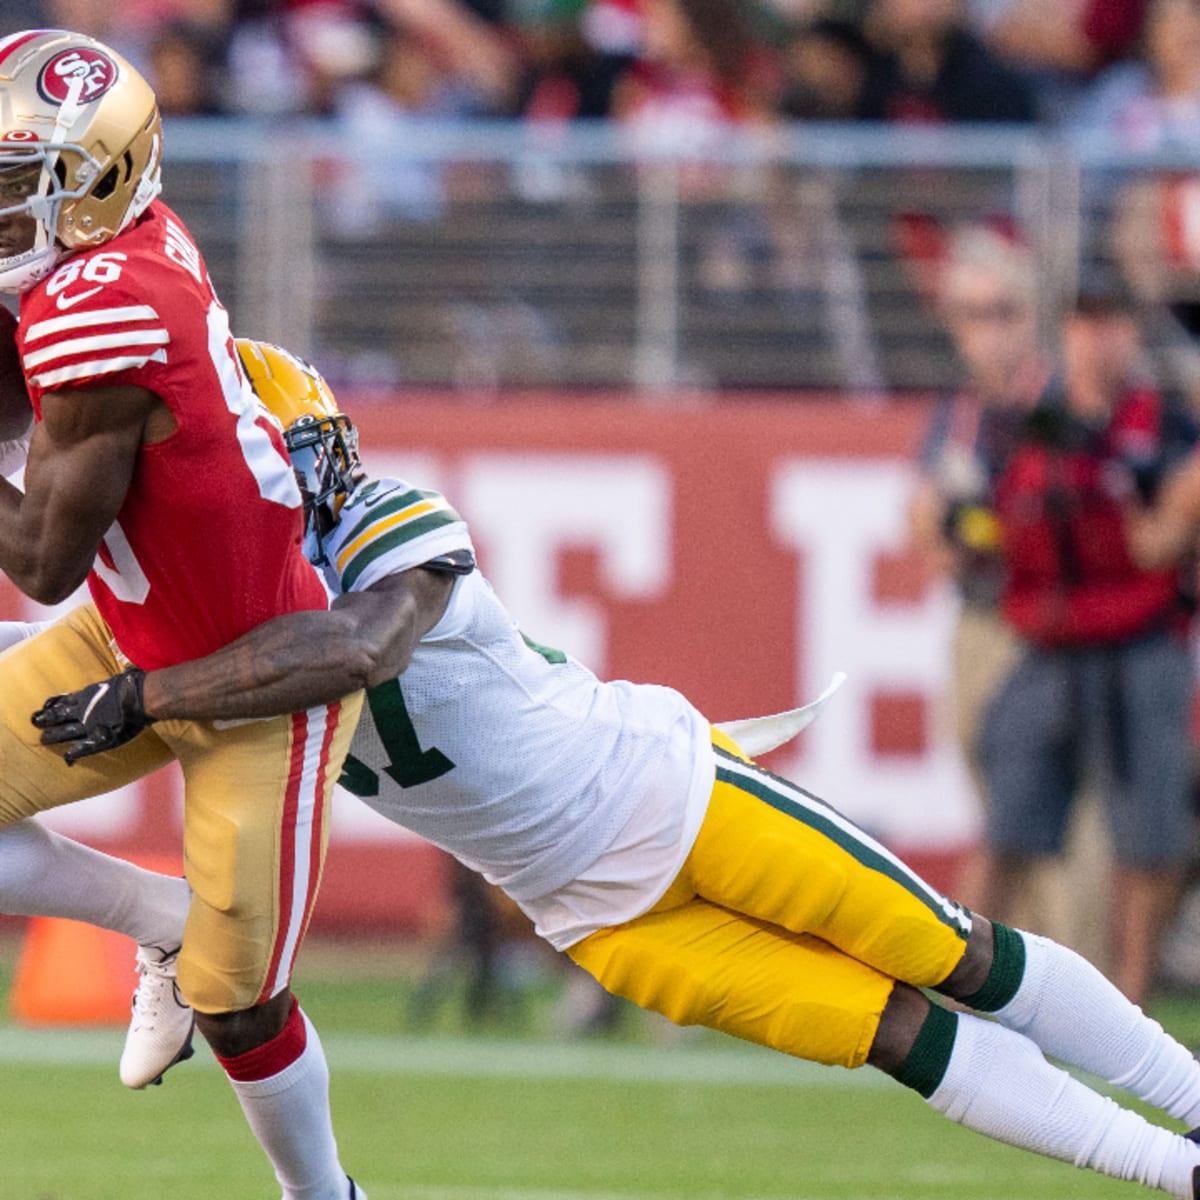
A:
(207, 545)
(513, 757)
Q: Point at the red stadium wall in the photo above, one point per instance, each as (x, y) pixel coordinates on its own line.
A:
(739, 551)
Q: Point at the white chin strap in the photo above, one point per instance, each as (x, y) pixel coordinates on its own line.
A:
(148, 186)
(45, 205)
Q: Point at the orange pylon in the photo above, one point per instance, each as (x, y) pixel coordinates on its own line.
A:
(69, 973)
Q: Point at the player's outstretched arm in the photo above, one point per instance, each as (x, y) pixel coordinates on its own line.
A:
(303, 659)
(290, 663)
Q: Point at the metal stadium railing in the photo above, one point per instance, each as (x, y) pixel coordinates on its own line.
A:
(494, 255)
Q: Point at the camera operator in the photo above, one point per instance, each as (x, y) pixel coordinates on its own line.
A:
(1103, 690)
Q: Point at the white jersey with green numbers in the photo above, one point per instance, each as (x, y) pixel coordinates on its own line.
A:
(514, 757)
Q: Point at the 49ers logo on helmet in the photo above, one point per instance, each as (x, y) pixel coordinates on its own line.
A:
(94, 70)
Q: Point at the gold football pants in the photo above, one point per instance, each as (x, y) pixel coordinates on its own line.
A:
(255, 815)
(787, 926)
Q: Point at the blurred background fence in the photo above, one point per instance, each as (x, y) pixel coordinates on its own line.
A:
(492, 254)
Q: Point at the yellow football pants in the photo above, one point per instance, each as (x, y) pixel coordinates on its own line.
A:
(256, 806)
(787, 926)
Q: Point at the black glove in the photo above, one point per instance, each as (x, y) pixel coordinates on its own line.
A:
(99, 717)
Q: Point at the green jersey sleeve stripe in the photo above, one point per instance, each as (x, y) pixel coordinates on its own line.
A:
(407, 532)
(390, 505)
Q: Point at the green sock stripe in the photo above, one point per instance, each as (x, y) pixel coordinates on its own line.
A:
(925, 1067)
(1008, 969)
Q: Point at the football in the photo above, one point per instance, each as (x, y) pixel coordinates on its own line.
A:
(16, 412)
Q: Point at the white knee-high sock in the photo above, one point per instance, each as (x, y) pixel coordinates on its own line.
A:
(283, 1088)
(1077, 1016)
(44, 874)
(999, 1084)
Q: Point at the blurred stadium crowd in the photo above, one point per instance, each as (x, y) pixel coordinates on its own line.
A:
(1135, 62)
(834, 266)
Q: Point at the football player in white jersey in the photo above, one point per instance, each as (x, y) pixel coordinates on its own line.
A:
(642, 841)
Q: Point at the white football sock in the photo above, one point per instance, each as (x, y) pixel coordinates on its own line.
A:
(999, 1084)
(1077, 1016)
(289, 1114)
(43, 874)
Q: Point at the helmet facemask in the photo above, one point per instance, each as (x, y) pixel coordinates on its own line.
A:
(321, 442)
(80, 151)
(23, 237)
(31, 197)
(324, 454)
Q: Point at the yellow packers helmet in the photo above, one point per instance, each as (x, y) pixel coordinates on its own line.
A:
(80, 150)
(321, 441)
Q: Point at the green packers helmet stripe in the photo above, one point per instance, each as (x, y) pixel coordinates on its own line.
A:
(795, 802)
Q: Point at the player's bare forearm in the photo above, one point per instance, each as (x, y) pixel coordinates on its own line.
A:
(299, 660)
(290, 663)
(25, 555)
(49, 534)
(81, 460)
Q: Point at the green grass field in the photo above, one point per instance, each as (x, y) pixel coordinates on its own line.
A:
(446, 1117)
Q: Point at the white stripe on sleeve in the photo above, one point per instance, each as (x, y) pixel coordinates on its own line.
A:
(98, 341)
(99, 316)
(96, 366)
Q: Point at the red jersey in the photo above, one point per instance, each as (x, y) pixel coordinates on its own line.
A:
(207, 543)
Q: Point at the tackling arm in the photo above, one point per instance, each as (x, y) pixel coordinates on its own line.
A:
(303, 659)
(290, 663)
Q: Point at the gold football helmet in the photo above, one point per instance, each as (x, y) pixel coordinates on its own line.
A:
(80, 150)
(321, 441)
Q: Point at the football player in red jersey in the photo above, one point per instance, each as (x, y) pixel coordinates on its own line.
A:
(153, 475)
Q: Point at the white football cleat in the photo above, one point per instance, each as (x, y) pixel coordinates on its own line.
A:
(160, 1030)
